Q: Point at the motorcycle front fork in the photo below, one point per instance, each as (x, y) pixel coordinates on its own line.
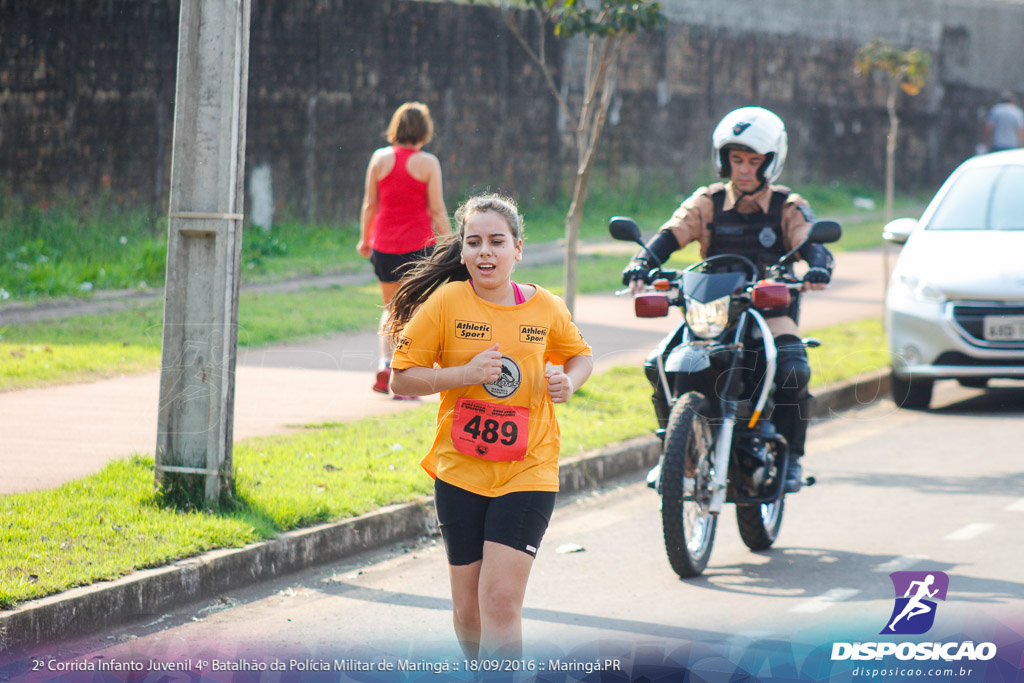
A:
(720, 461)
(720, 482)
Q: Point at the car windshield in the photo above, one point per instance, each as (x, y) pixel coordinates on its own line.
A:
(987, 198)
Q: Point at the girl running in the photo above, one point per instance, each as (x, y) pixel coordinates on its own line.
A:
(465, 329)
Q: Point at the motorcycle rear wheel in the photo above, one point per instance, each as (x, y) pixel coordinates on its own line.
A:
(759, 524)
(688, 472)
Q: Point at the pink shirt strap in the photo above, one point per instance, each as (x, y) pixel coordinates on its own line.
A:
(516, 292)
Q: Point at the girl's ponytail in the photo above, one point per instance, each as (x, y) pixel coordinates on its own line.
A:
(424, 276)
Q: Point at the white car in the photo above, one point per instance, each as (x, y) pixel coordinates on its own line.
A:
(955, 303)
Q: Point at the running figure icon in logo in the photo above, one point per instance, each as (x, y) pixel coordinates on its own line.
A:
(914, 612)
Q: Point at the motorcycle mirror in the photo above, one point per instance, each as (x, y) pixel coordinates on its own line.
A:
(625, 229)
(825, 232)
(822, 232)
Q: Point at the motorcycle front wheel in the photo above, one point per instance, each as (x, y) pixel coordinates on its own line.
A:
(686, 478)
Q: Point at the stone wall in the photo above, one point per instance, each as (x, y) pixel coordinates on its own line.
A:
(87, 92)
(87, 98)
(796, 58)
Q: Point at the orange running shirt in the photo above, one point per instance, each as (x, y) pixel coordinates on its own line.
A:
(452, 327)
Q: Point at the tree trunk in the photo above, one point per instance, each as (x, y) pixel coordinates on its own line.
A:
(586, 147)
(573, 220)
(890, 151)
(890, 176)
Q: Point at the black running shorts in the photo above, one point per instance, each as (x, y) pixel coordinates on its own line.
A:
(517, 520)
(392, 267)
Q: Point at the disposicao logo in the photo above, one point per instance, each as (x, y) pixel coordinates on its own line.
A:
(913, 614)
(916, 593)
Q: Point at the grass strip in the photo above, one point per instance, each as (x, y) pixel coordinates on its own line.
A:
(68, 248)
(109, 524)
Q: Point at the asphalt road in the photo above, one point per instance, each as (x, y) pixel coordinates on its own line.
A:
(938, 491)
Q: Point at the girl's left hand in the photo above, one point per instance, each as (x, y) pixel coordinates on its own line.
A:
(560, 386)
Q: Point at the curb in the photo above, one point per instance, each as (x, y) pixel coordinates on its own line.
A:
(87, 609)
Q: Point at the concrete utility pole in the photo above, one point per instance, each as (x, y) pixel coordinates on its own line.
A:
(204, 246)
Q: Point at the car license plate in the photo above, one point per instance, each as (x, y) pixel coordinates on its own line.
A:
(1004, 327)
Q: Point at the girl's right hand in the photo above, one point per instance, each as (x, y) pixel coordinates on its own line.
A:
(485, 367)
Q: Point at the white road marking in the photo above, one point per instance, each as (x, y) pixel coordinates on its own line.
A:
(969, 532)
(825, 600)
(1017, 506)
(899, 563)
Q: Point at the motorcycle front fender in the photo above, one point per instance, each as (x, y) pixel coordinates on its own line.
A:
(688, 359)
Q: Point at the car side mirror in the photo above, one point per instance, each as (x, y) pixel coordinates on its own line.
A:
(898, 231)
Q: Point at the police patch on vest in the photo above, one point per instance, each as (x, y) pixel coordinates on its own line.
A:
(766, 237)
(467, 329)
(508, 381)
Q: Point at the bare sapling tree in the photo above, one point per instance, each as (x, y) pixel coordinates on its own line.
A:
(607, 25)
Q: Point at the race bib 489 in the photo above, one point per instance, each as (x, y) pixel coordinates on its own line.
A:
(489, 430)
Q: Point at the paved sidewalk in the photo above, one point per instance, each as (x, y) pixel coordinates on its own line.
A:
(54, 435)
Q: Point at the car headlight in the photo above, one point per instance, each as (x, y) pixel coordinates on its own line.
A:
(916, 288)
(707, 320)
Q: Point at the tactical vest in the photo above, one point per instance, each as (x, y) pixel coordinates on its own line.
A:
(757, 235)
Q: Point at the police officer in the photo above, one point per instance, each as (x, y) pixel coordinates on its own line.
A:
(750, 216)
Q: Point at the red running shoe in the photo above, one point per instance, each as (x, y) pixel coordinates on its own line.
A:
(383, 378)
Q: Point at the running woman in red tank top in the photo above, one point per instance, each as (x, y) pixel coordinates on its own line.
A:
(403, 210)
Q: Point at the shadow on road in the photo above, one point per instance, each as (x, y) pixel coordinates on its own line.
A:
(812, 572)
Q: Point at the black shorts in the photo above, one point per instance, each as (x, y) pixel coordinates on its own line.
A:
(467, 519)
(390, 267)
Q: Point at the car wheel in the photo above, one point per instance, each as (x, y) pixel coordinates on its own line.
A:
(973, 382)
(912, 395)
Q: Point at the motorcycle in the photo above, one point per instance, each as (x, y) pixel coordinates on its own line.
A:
(716, 371)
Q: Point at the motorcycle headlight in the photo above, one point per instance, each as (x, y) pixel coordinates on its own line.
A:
(707, 320)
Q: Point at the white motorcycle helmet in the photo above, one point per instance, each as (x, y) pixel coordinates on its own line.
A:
(756, 129)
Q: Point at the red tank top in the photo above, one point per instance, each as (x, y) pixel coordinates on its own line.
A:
(403, 223)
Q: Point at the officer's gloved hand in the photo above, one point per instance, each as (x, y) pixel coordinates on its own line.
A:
(817, 278)
(634, 274)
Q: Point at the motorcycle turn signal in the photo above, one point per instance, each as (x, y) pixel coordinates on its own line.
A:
(650, 305)
(770, 296)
